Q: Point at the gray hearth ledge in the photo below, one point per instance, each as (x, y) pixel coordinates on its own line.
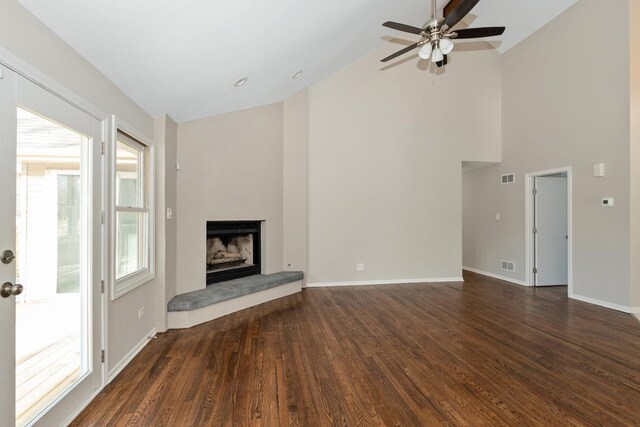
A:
(224, 291)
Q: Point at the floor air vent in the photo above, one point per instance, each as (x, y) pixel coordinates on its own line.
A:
(508, 179)
(508, 266)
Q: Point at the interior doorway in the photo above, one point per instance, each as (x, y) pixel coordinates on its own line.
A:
(549, 228)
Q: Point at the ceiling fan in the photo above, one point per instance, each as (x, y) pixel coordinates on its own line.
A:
(435, 37)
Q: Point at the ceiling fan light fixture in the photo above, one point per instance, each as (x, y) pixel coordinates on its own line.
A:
(437, 55)
(425, 51)
(446, 46)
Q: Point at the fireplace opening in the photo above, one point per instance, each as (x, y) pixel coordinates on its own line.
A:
(233, 250)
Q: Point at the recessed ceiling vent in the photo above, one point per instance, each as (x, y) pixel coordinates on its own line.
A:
(508, 266)
(508, 178)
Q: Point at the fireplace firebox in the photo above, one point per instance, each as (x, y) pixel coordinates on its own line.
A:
(233, 250)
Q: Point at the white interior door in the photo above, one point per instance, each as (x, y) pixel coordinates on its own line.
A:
(51, 172)
(551, 255)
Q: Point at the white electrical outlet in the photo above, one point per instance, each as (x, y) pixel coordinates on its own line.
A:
(169, 213)
(141, 313)
(497, 217)
(360, 267)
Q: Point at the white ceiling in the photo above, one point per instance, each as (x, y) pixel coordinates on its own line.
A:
(183, 57)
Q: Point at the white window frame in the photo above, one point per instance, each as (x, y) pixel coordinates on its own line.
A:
(122, 286)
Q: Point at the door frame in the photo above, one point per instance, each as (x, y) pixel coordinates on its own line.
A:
(529, 224)
(21, 68)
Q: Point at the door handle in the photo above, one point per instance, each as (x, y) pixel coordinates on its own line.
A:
(9, 289)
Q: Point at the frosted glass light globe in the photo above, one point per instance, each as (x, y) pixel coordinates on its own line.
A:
(437, 55)
(425, 51)
(446, 46)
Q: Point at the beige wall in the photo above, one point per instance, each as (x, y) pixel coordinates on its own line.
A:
(165, 135)
(231, 169)
(562, 105)
(385, 152)
(171, 201)
(160, 310)
(634, 55)
(295, 181)
(22, 35)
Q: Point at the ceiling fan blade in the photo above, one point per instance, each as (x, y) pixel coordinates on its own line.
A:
(402, 27)
(474, 33)
(400, 52)
(459, 12)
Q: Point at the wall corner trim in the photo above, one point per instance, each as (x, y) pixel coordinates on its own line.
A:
(429, 281)
(496, 276)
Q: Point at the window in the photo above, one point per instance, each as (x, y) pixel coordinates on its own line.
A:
(132, 220)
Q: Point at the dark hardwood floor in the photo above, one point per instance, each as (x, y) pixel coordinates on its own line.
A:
(477, 353)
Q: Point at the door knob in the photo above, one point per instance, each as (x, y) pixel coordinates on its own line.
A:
(7, 256)
(9, 289)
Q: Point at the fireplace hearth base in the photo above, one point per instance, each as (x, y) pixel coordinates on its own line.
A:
(220, 299)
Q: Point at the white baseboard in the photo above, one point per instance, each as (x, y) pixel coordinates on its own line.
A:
(637, 315)
(187, 319)
(129, 357)
(495, 276)
(384, 282)
(622, 308)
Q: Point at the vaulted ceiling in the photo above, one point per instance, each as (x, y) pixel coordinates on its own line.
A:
(183, 57)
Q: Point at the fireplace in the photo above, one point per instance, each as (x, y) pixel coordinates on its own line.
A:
(233, 250)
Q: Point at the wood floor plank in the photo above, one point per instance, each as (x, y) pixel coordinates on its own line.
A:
(482, 352)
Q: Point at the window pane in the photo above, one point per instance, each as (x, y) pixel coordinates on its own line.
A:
(130, 243)
(129, 163)
(69, 228)
(128, 190)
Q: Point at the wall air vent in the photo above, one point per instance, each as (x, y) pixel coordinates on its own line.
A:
(508, 266)
(508, 178)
